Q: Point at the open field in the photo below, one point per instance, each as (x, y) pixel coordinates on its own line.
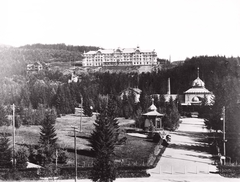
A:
(135, 150)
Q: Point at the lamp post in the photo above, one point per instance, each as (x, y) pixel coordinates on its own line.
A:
(81, 110)
(13, 125)
(75, 149)
(224, 134)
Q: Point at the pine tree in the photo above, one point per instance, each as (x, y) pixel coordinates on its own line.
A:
(3, 117)
(5, 152)
(162, 104)
(47, 140)
(103, 142)
(127, 109)
(112, 113)
(143, 101)
(86, 107)
(171, 119)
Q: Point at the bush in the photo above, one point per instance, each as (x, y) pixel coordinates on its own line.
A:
(12, 175)
(62, 156)
(5, 152)
(19, 174)
(49, 171)
(156, 138)
(22, 158)
(232, 171)
(36, 117)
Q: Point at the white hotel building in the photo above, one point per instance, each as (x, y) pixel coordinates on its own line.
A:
(120, 57)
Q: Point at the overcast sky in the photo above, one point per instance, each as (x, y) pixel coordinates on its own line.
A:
(180, 28)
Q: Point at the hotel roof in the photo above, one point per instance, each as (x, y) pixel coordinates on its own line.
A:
(123, 50)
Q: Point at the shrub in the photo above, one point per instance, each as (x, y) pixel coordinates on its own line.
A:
(22, 158)
(156, 138)
(5, 152)
(12, 175)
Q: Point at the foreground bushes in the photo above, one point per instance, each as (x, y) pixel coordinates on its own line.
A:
(20, 174)
(232, 171)
(67, 173)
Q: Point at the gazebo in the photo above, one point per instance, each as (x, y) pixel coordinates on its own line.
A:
(152, 117)
(198, 92)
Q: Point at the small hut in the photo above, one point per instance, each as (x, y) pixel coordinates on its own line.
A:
(152, 118)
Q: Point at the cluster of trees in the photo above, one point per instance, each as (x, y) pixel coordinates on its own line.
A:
(44, 153)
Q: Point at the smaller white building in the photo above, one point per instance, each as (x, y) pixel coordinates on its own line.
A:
(196, 94)
(152, 118)
(74, 78)
(135, 91)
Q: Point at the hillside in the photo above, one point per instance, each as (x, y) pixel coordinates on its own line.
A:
(13, 60)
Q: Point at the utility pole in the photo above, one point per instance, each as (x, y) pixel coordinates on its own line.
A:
(56, 160)
(75, 148)
(224, 134)
(81, 110)
(13, 123)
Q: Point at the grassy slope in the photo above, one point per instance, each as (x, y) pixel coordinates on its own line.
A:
(136, 149)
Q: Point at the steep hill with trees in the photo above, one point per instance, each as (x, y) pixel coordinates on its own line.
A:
(14, 60)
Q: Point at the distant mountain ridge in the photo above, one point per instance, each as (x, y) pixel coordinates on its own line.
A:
(62, 46)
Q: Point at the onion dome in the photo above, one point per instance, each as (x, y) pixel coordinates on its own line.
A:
(198, 83)
(152, 107)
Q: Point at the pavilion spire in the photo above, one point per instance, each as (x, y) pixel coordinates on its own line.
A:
(198, 72)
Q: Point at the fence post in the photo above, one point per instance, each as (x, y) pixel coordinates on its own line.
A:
(184, 169)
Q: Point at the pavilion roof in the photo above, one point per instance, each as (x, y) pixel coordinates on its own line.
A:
(198, 90)
(153, 113)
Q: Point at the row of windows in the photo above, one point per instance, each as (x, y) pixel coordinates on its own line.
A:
(118, 57)
(124, 54)
(122, 59)
(121, 63)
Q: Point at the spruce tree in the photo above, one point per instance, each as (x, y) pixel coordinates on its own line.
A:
(5, 152)
(126, 107)
(103, 142)
(3, 117)
(112, 114)
(86, 107)
(47, 140)
(171, 119)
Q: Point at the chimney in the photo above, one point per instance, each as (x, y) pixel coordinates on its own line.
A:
(169, 87)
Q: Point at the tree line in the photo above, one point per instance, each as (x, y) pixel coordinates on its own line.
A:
(63, 46)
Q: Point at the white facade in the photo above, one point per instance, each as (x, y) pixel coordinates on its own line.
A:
(135, 91)
(197, 93)
(120, 57)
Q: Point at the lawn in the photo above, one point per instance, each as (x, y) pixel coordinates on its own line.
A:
(135, 150)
